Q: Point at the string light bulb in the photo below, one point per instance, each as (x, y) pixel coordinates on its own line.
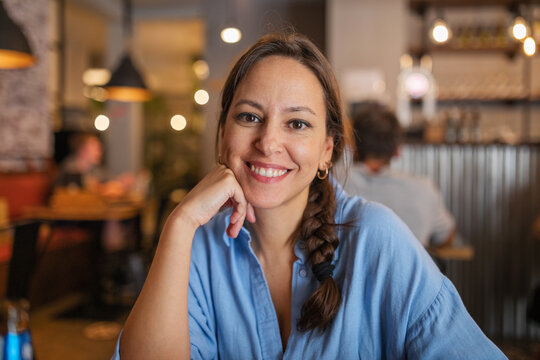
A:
(201, 69)
(520, 28)
(201, 97)
(178, 122)
(231, 35)
(529, 46)
(101, 122)
(440, 31)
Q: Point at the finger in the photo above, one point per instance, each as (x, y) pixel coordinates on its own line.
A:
(234, 229)
(250, 213)
(238, 212)
(239, 206)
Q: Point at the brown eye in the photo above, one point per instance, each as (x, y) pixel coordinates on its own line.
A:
(251, 118)
(248, 118)
(298, 124)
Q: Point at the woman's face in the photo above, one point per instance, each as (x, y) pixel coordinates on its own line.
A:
(274, 138)
(92, 151)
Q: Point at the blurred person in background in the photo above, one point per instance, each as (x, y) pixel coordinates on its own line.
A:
(81, 182)
(82, 169)
(416, 200)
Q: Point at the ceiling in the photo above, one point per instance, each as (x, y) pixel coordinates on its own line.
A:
(167, 36)
(168, 59)
(145, 8)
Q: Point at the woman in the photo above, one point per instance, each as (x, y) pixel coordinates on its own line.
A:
(290, 282)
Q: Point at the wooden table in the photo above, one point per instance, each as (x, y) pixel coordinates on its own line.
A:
(92, 219)
(454, 252)
(441, 255)
(75, 213)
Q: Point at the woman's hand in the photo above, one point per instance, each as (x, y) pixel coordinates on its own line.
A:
(217, 189)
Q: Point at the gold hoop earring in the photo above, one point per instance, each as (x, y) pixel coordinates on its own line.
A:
(324, 172)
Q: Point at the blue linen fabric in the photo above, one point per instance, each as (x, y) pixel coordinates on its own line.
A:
(396, 304)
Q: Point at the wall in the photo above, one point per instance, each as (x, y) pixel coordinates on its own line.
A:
(367, 34)
(371, 34)
(25, 96)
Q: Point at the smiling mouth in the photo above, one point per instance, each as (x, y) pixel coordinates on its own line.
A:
(267, 172)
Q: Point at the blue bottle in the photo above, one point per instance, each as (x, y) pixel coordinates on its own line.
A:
(17, 339)
(12, 344)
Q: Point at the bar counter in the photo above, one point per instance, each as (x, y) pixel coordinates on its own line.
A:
(493, 191)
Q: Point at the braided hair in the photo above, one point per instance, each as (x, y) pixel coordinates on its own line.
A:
(317, 227)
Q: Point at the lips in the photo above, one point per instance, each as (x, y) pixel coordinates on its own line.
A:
(267, 171)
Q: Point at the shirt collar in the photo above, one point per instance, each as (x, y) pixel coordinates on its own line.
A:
(385, 171)
(299, 247)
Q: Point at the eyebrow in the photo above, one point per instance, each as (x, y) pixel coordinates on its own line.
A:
(289, 109)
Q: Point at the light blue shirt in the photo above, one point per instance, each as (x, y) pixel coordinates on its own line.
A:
(395, 302)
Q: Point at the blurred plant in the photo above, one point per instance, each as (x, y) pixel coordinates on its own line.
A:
(171, 156)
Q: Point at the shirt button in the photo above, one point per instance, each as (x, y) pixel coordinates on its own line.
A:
(303, 272)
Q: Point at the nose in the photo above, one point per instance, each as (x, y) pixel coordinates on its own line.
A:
(270, 139)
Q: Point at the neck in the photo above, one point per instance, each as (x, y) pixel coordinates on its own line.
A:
(275, 228)
(375, 165)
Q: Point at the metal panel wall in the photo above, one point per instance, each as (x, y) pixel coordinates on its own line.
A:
(493, 191)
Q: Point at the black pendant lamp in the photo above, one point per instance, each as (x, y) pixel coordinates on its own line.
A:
(126, 83)
(15, 52)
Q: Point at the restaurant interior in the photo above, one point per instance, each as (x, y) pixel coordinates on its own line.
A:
(145, 78)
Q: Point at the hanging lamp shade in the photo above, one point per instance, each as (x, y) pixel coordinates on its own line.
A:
(126, 83)
(15, 52)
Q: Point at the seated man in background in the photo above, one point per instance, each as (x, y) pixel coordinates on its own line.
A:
(416, 200)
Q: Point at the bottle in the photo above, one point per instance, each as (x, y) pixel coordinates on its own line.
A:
(451, 126)
(16, 336)
(476, 128)
(23, 329)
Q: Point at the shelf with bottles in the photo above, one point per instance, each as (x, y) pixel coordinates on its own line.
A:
(503, 87)
(473, 39)
(484, 101)
(509, 50)
(488, 26)
(418, 5)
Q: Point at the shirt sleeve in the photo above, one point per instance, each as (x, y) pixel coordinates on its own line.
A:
(201, 331)
(444, 324)
(442, 222)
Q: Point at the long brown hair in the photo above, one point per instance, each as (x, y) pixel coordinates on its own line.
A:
(317, 228)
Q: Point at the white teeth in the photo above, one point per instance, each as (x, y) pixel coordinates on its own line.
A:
(267, 172)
